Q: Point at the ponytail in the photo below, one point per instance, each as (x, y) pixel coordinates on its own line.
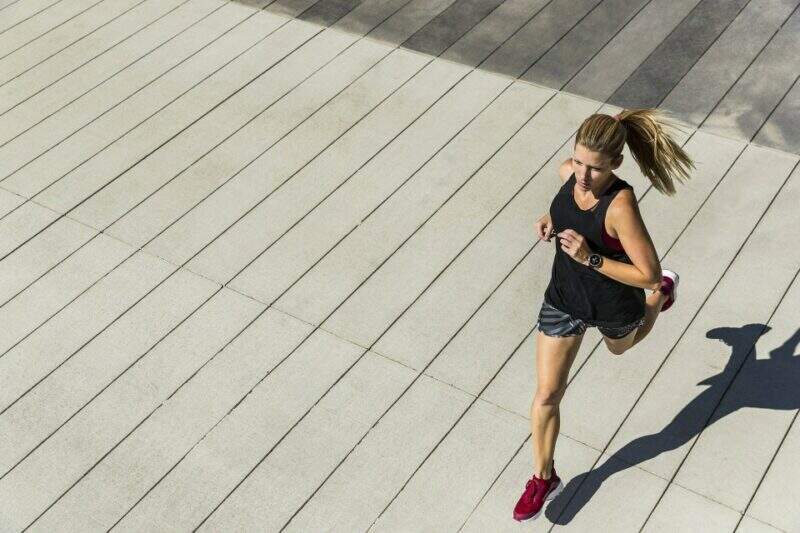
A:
(659, 157)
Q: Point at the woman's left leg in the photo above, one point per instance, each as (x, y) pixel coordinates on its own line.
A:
(652, 307)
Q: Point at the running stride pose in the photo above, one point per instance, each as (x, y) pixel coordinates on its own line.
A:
(604, 260)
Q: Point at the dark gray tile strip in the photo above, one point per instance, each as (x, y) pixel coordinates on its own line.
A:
(494, 31)
(781, 130)
(327, 12)
(749, 103)
(537, 37)
(450, 25)
(673, 58)
(560, 64)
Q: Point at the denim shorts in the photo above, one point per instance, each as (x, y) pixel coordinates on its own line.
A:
(555, 323)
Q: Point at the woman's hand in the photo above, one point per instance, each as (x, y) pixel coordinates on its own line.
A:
(575, 246)
(544, 226)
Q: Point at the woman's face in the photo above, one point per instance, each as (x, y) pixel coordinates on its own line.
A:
(592, 169)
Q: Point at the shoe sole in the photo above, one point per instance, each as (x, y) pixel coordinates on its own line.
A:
(553, 493)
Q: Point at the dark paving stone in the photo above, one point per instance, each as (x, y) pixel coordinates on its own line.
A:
(534, 39)
(482, 40)
(445, 29)
(673, 58)
(781, 130)
(582, 42)
(327, 12)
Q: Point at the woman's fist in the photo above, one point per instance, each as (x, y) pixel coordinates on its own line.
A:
(544, 227)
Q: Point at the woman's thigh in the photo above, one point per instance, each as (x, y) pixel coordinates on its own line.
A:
(554, 357)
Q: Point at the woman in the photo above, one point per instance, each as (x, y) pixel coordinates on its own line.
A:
(604, 260)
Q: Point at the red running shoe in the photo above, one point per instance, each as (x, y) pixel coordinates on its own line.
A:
(669, 286)
(537, 493)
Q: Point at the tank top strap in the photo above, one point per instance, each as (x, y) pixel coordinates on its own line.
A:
(608, 196)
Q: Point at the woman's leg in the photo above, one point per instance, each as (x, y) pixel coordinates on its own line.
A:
(554, 357)
(652, 307)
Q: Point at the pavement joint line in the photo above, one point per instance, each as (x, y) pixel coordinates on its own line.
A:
(519, 80)
(744, 72)
(9, 4)
(29, 16)
(766, 120)
(675, 344)
(143, 56)
(107, 183)
(268, 148)
(732, 381)
(139, 2)
(591, 10)
(664, 97)
(158, 77)
(29, 69)
(738, 524)
(49, 30)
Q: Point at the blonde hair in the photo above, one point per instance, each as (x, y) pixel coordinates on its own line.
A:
(659, 157)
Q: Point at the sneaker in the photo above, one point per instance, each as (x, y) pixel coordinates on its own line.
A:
(537, 493)
(669, 286)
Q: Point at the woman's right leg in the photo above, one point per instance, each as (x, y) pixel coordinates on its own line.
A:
(554, 357)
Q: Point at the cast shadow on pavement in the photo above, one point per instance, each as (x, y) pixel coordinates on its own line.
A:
(761, 383)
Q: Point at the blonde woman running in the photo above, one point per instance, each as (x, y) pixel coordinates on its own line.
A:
(604, 260)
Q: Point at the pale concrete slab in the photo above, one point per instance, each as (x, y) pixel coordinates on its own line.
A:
(37, 257)
(29, 29)
(20, 11)
(403, 277)
(605, 502)
(751, 101)
(244, 54)
(442, 492)
(352, 204)
(187, 416)
(751, 525)
(359, 489)
(747, 427)
(494, 511)
(780, 130)
(54, 400)
(367, 84)
(22, 223)
(59, 338)
(83, 52)
(681, 510)
(9, 201)
(212, 173)
(620, 57)
(150, 84)
(98, 427)
(708, 81)
(223, 122)
(266, 489)
(62, 37)
(32, 98)
(775, 502)
(677, 404)
(50, 294)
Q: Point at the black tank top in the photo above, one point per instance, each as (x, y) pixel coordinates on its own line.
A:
(579, 290)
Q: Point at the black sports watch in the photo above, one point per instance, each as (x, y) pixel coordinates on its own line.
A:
(595, 260)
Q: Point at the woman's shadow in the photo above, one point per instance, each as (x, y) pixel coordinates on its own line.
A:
(764, 383)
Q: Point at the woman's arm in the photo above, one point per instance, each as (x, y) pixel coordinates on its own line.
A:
(624, 217)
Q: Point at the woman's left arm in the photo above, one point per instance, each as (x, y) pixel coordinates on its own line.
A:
(623, 215)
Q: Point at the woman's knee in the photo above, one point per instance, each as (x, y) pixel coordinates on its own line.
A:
(548, 396)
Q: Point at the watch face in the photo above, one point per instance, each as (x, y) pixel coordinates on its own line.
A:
(594, 260)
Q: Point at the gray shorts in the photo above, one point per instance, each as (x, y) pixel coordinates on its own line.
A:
(555, 323)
